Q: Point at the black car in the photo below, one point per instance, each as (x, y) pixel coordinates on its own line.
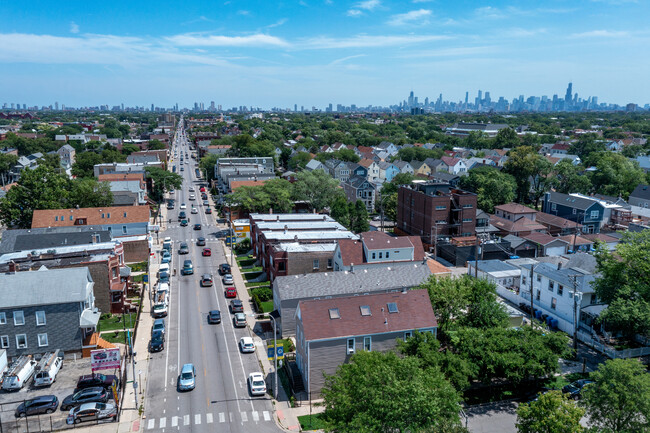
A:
(157, 342)
(37, 406)
(95, 394)
(182, 215)
(200, 241)
(204, 196)
(236, 306)
(224, 268)
(92, 380)
(197, 226)
(574, 389)
(214, 316)
(208, 210)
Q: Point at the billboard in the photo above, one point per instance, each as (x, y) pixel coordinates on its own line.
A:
(103, 359)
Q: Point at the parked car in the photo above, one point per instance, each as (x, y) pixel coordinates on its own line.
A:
(239, 320)
(91, 412)
(96, 394)
(200, 241)
(224, 268)
(206, 280)
(188, 268)
(227, 279)
(157, 342)
(186, 380)
(574, 389)
(184, 249)
(166, 257)
(37, 406)
(207, 252)
(158, 325)
(206, 202)
(231, 292)
(208, 210)
(197, 226)
(256, 384)
(246, 345)
(236, 306)
(214, 316)
(104, 380)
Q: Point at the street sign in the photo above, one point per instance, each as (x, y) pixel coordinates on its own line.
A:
(272, 350)
(103, 359)
(145, 278)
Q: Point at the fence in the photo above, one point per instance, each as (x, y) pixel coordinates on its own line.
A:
(39, 423)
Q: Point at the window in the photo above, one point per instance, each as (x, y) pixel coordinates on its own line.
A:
(387, 254)
(594, 214)
(4, 341)
(334, 313)
(407, 335)
(282, 266)
(114, 272)
(392, 307)
(441, 207)
(553, 303)
(554, 206)
(373, 255)
(560, 289)
(108, 215)
(116, 297)
(539, 293)
(381, 254)
(123, 229)
(40, 318)
(124, 214)
(21, 341)
(103, 215)
(316, 264)
(365, 310)
(42, 340)
(441, 222)
(467, 206)
(367, 343)
(539, 278)
(329, 263)
(467, 220)
(19, 318)
(551, 285)
(523, 280)
(3, 318)
(575, 211)
(350, 345)
(56, 218)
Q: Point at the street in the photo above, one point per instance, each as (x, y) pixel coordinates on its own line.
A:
(221, 394)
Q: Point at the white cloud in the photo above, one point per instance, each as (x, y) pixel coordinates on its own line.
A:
(343, 59)
(601, 34)
(421, 1)
(243, 12)
(368, 4)
(451, 52)
(367, 41)
(74, 27)
(354, 13)
(257, 40)
(419, 16)
(278, 23)
(489, 12)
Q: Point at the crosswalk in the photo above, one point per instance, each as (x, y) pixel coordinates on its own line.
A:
(220, 418)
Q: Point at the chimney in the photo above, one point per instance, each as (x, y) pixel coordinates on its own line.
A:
(404, 290)
(12, 266)
(559, 266)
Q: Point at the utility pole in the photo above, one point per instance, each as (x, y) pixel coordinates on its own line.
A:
(574, 280)
(476, 257)
(532, 306)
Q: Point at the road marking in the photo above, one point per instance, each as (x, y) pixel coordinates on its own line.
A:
(267, 416)
(244, 417)
(256, 416)
(174, 421)
(230, 416)
(186, 420)
(163, 422)
(197, 419)
(151, 424)
(222, 417)
(208, 418)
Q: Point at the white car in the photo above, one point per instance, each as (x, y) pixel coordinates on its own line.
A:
(192, 197)
(183, 206)
(194, 210)
(246, 345)
(256, 384)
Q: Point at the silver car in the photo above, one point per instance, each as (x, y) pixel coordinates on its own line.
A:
(186, 380)
(91, 412)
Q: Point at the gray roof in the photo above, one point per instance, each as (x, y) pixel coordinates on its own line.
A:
(45, 287)
(571, 200)
(443, 176)
(358, 181)
(641, 192)
(494, 266)
(563, 276)
(39, 238)
(515, 241)
(348, 283)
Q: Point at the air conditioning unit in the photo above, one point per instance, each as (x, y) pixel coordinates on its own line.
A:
(350, 351)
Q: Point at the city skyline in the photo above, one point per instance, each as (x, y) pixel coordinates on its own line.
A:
(313, 53)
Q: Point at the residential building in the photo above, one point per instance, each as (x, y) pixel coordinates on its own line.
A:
(315, 164)
(464, 129)
(435, 209)
(421, 168)
(122, 168)
(453, 165)
(289, 290)
(521, 247)
(547, 245)
(640, 196)
(377, 250)
(372, 169)
(66, 156)
(339, 170)
(387, 171)
(30, 161)
(51, 238)
(388, 147)
(128, 193)
(519, 227)
(358, 188)
(583, 210)
(330, 331)
(45, 310)
(444, 177)
(404, 167)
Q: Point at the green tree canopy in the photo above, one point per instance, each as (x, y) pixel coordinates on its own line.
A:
(524, 164)
(506, 138)
(299, 160)
(156, 145)
(317, 188)
(207, 164)
(619, 398)
(615, 175)
(553, 412)
(384, 393)
(163, 180)
(569, 178)
(491, 186)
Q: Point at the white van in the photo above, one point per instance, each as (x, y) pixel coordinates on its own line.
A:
(47, 369)
(19, 372)
(163, 268)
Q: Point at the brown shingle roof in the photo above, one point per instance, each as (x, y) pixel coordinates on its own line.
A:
(351, 251)
(541, 238)
(515, 208)
(366, 162)
(414, 312)
(113, 177)
(556, 221)
(521, 225)
(576, 240)
(380, 240)
(93, 216)
(600, 237)
(438, 268)
(239, 183)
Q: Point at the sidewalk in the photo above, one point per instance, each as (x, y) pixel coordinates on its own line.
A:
(286, 416)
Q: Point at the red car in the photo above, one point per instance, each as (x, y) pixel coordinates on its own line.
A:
(207, 252)
(202, 189)
(231, 292)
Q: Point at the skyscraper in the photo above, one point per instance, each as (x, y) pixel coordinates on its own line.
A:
(569, 94)
(411, 99)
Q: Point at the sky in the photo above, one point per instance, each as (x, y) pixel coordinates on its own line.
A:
(315, 52)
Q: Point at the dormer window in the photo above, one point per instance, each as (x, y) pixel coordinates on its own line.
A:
(365, 310)
(334, 313)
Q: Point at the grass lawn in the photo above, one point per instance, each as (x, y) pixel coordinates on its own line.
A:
(245, 261)
(110, 337)
(115, 322)
(138, 278)
(254, 284)
(248, 276)
(138, 267)
(254, 269)
(316, 422)
(285, 344)
(267, 306)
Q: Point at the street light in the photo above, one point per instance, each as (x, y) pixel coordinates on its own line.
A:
(577, 297)
(275, 353)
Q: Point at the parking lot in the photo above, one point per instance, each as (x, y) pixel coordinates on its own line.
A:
(63, 386)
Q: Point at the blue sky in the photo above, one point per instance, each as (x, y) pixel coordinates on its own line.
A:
(313, 52)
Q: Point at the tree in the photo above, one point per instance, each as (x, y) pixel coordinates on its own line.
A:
(569, 179)
(619, 398)
(249, 199)
(7, 161)
(299, 160)
(162, 180)
(615, 174)
(542, 181)
(317, 188)
(553, 412)
(207, 164)
(279, 193)
(87, 192)
(393, 185)
(586, 145)
(156, 145)
(491, 186)
(506, 138)
(339, 210)
(524, 164)
(358, 217)
(129, 148)
(84, 164)
(381, 392)
(624, 284)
